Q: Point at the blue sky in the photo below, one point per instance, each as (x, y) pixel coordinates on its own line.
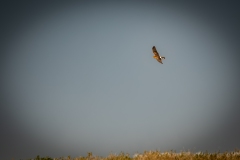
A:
(80, 77)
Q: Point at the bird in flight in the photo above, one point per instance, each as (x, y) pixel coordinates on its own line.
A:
(156, 55)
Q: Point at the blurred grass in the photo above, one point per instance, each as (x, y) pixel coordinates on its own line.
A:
(156, 155)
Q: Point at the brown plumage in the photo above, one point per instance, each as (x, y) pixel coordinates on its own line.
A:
(156, 55)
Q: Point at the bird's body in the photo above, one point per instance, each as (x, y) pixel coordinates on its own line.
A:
(156, 55)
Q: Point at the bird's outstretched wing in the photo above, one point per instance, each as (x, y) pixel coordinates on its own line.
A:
(156, 55)
(159, 60)
(155, 52)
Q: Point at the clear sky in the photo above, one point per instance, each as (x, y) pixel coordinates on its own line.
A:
(80, 77)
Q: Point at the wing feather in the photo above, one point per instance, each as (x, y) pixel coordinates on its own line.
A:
(159, 60)
(155, 52)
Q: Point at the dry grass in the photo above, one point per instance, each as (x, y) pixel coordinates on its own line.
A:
(157, 155)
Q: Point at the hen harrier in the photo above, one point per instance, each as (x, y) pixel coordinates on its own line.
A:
(156, 55)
